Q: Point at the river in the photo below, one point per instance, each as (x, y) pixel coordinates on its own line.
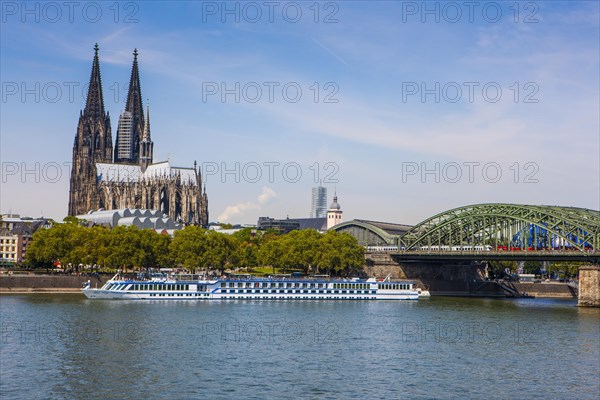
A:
(67, 347)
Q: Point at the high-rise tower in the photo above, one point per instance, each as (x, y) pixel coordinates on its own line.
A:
(319, 202)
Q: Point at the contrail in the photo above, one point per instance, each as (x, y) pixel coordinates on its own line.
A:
(330, 52)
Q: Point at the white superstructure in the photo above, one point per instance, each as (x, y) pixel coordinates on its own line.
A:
(162, 287)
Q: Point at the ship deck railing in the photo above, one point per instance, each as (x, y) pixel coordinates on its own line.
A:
(245, 278)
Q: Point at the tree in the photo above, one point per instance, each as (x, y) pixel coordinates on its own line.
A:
(69, 219)
(251, 235)
(188, 246)
(161, 249)
(88, 245)
(340, 254)
(219, 252)
(123, 247)
(247, 241)
(271, 252)
(53, 245)
(565, 269)
(247, 254)
(301, 249)
(496, 269)
(147, 254)
(532, 267)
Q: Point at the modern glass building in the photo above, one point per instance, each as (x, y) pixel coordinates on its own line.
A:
(319, 202)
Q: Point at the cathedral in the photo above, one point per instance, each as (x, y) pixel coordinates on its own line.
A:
(126, 176)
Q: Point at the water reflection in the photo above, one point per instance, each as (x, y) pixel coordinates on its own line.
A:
(65, 346)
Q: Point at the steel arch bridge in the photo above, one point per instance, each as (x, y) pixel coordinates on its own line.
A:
(510, 225)
(366, 233)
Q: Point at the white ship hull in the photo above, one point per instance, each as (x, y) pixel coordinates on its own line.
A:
(253, 289)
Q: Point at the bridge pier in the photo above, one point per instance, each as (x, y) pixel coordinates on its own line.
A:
(380, 265)
(461, 278)
(589, 286)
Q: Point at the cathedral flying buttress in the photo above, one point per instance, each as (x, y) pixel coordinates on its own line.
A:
(127, 177)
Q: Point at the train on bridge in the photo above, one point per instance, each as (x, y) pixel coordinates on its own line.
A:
(466, 248)
(429, 248)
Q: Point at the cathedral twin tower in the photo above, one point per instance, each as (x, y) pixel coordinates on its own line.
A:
(127, 177)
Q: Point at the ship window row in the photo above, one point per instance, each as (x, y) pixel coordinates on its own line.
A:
(178, 294)
(394, 286)
(292, 285)
(296, 291)
(301, 297)
(157, 287)
(273, 285)
(354, 286)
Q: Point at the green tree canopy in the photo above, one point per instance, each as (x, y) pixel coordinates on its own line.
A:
(195, 248)
(188, 246)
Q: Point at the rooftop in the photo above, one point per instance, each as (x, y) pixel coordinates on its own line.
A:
(391, 228)
(133, 173)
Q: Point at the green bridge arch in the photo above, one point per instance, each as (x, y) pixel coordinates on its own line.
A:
(500, 224)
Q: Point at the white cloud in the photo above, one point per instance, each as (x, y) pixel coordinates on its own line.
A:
(240, 209)
(237, 210)
(266, 195)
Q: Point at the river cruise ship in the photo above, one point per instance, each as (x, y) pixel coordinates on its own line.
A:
(183, 287)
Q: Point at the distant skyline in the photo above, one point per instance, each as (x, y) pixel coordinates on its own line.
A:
(406, 108)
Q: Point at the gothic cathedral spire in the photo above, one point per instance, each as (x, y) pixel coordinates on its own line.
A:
(93, 143)
(94, 123)
(146, 145)
(134, 96)
(94, 106)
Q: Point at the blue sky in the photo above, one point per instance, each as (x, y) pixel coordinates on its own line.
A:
(407, 108)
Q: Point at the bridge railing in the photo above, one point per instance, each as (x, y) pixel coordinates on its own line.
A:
(484, 252)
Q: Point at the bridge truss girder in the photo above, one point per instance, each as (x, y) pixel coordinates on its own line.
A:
(383, 236)
(496, 223)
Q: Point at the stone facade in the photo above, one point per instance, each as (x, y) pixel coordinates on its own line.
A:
(589, 286)
(48, 283)
(134, 182)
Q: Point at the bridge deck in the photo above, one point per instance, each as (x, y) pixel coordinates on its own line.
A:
(592, 257)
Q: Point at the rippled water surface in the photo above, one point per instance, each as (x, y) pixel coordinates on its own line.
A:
(65, 346)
